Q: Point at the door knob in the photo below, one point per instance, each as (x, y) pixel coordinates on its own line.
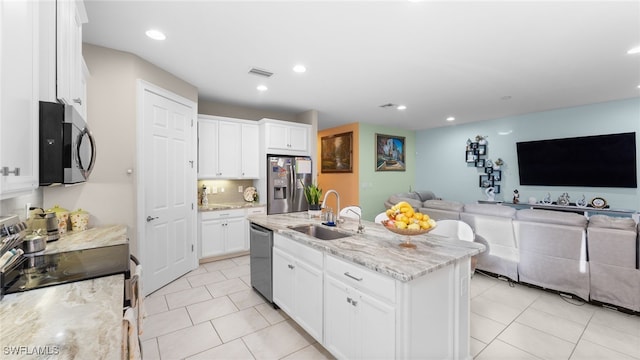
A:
(149, 218)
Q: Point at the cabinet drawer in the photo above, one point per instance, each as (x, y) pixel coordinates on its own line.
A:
(299, 251)
(362, 278)
(256, 210)
(222, 214)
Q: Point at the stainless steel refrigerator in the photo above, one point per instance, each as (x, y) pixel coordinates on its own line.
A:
(287, 177)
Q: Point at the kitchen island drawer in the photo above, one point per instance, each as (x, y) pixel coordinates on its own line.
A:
(299, 251)
(362, 278)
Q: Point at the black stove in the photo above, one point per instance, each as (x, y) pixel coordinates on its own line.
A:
(40, 271)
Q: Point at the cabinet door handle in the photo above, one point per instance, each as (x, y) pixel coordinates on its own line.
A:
(291, 266)
(351, 276)
(349, 300)
(77, 101)
(354, 303)
(5, 171)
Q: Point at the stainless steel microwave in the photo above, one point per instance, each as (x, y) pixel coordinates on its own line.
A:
(67, 149)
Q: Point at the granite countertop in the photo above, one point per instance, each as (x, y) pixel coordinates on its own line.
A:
(377, 248)
(88, 239)
(230, 206)
(80, 320)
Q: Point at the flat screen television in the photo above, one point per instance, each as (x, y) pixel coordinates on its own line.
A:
(590, 161)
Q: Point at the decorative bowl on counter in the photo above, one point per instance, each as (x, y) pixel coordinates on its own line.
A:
(407, 233)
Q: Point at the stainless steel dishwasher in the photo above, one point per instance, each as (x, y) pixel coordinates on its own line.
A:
(261, 245)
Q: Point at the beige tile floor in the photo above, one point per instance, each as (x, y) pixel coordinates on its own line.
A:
(212, 313)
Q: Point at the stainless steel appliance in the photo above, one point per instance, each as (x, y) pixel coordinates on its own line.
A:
(67, 149)
(261, 245)
(286, 178)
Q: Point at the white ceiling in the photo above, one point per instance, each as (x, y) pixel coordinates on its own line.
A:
(440, 59)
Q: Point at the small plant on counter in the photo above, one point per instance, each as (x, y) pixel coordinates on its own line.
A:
(312, 193)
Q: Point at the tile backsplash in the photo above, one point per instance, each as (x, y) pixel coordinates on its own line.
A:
(224, 191)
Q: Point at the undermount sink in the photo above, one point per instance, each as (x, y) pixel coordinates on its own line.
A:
(319, 232)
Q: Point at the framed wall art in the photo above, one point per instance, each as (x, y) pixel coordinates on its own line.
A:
(336, 152)
(390, 153)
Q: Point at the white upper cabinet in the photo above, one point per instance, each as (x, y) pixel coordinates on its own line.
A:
(227, 148)
(19, 110)
(70, 87)
(250, 151)
(286, 138)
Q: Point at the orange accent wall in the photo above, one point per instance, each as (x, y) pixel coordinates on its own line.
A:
(346, 184)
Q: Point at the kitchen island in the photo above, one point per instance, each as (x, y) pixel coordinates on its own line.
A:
(364, 296)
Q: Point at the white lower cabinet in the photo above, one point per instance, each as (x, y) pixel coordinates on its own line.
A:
(222, 232)
(358, 313)
(357, 325)
(297, 283)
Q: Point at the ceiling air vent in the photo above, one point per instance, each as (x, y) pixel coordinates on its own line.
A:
(260, 72)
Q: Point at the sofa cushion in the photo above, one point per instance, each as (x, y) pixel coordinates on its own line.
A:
(551, 217)
(604, 221)
(443, 205)
(490, 210)
(415, 203)
(425, 195)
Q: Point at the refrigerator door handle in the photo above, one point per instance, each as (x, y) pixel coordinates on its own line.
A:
(293, 184)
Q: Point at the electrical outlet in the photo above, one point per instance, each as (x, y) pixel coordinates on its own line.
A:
(240, 189)
(221, 189)
(214, 190)
(27, 206)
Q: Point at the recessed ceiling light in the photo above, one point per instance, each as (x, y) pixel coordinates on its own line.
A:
(450, 118)
(401, 107)
(299, 68)
(156, 34)
(262, 88)
(635, 50)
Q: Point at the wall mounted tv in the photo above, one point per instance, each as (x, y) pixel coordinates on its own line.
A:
(591, 161)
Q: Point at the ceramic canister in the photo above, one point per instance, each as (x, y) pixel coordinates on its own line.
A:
(62, 215)
(79, 220)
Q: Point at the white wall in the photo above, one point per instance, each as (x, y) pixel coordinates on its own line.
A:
(442, 169)
(110, 194)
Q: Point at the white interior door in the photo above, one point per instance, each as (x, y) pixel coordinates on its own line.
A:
(167, 178)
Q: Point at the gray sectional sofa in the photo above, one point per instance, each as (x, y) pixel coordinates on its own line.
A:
(596, 259)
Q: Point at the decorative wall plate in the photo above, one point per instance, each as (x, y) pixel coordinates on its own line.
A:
(249, 193)
(598, 202)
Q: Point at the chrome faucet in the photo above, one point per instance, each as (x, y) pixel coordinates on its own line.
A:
(324, 203)
(360, 226)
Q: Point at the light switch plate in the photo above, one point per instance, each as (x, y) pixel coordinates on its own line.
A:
(240, 189)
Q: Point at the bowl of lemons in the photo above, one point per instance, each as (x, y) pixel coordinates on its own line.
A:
(403, 220)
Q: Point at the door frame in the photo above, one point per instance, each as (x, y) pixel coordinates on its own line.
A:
(141, 87)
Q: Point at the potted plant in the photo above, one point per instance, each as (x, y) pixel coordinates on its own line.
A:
(312, 193)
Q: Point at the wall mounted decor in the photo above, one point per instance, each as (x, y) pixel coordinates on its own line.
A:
(390, 153)
(475, 154)
(336, 152)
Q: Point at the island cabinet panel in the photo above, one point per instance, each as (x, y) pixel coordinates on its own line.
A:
(360, 320)
(297, 283)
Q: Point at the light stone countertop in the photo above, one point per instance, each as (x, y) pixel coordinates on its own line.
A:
(80, 320)
(230, 206)
(377, 249)
(88, 239)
